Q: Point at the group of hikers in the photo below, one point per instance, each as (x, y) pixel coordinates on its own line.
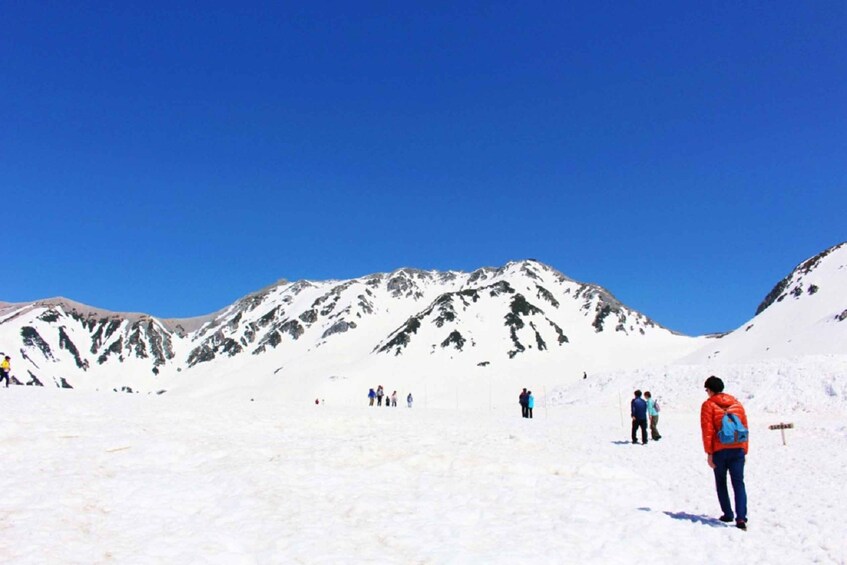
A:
(379, 394)
(723, 425)
(527, 402)
(644, 410)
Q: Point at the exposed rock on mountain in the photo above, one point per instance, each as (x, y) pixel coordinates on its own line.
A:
(524, 311)
(799, 316)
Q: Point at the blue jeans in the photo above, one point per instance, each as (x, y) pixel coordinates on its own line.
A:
(731, 460)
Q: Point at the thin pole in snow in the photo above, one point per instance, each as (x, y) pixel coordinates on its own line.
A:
(620, 405)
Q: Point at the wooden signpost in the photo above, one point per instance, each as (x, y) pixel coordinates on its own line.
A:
(782, 427)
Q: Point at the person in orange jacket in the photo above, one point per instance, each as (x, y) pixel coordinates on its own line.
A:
(725, 457)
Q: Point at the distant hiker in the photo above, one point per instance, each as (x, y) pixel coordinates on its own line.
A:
(720, 412)
(584, 375)
(409, 400)
(530, 403)
(522, 400)
(5, 367)
(394, 398)
(638, 409)
(379, 394)
(653, 415)
(317, 401)
(371, 397)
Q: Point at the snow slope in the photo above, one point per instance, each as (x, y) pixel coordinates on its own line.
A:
(804, 314)
(93, 478)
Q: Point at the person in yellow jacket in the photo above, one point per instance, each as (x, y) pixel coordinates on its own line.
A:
(5, 367)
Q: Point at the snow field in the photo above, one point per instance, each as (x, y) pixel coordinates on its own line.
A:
(97, 478)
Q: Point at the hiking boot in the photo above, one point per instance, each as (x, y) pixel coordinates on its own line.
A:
(726, 518)
(741, 524)
(635, 442)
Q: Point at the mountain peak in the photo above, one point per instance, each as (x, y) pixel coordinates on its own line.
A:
(793, 282)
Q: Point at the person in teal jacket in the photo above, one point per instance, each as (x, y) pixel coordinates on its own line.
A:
(653, 416)
(530, 403)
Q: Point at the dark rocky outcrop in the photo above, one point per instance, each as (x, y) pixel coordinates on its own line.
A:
(547, 295)
(274, 337)
(309, 316)
(33, 380)
(778, 293)
(402, 337)
(115, 348)
(518, 307)
(455, 339)
(31, 338)
(340, 326)
(603, 310)
(66, 343)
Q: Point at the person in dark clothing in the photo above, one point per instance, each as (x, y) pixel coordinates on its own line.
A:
(638, 410)
(523, 400)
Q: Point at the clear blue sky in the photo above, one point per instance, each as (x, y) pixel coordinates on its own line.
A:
(164, 159)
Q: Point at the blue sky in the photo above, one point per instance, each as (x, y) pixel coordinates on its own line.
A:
(172, 159)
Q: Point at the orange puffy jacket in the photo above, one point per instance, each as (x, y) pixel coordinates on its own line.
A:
(711, 414)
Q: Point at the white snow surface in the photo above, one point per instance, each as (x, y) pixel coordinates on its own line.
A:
(808, 317)
(236, 464)
(188, 478)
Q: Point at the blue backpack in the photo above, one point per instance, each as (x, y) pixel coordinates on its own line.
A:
(732, 430)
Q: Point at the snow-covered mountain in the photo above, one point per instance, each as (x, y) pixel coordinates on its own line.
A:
(56, 341)
(524, 314)
(408, 326)
(804, 314)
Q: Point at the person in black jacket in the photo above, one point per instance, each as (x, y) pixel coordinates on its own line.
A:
(638, 409)
(523, 400)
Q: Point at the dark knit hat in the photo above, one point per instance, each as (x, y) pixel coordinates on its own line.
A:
(714, 384)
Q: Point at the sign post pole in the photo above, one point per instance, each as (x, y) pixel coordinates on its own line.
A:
(782, 427)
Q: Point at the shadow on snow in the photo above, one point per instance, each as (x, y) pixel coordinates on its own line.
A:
(697, 519)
